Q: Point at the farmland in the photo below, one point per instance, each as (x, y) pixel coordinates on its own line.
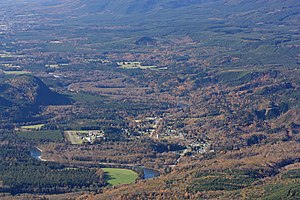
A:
(32, 127)
(41, 135)
(16, 72)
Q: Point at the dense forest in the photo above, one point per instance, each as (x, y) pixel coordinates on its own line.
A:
(20, 173)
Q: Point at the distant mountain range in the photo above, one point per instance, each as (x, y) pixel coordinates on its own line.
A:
(186, 16)
(140, 7)
(137, 6)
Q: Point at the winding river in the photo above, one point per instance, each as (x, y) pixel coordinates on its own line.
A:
(148, 173)
(35, 153)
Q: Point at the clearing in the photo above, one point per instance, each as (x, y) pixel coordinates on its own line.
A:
(33, 127)
(117, 176)
(16, 72)
(51, 135)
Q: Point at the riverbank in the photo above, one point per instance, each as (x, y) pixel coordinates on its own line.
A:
(37, 154)
(143, 172)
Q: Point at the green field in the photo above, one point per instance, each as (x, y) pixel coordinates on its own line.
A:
(31, 127)
(52, 135)
(16, 72)
(117, 176)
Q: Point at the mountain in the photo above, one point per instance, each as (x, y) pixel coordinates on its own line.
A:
(31, 90)
(140, 7)
(135, 6)
(23, 96)
(115, 7)
(118, 9)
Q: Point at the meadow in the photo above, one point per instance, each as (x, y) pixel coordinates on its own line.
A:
(33, 127)
(41, 135)
(116, 176)
(16, 72)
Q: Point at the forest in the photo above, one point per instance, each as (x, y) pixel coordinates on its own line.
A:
(20, 173)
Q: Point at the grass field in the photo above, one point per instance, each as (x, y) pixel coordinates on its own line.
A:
(117, 176)
(16, 72)
(33, 127)
(87, 98)
(52, 135)
(72, 137)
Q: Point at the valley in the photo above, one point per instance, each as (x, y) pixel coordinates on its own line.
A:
(203, 93)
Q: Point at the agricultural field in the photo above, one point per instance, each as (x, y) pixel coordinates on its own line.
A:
(32, 127)
(116, 176)
(16, 72)
(41, 135)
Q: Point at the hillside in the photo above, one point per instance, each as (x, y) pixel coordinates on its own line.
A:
(231, 175)
(242, 12)
(22, 97)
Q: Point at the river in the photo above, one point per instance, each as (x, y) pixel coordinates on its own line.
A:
(36, 153)
(148, 173)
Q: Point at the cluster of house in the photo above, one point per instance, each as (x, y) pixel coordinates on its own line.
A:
(156, 127)
(91, 136)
